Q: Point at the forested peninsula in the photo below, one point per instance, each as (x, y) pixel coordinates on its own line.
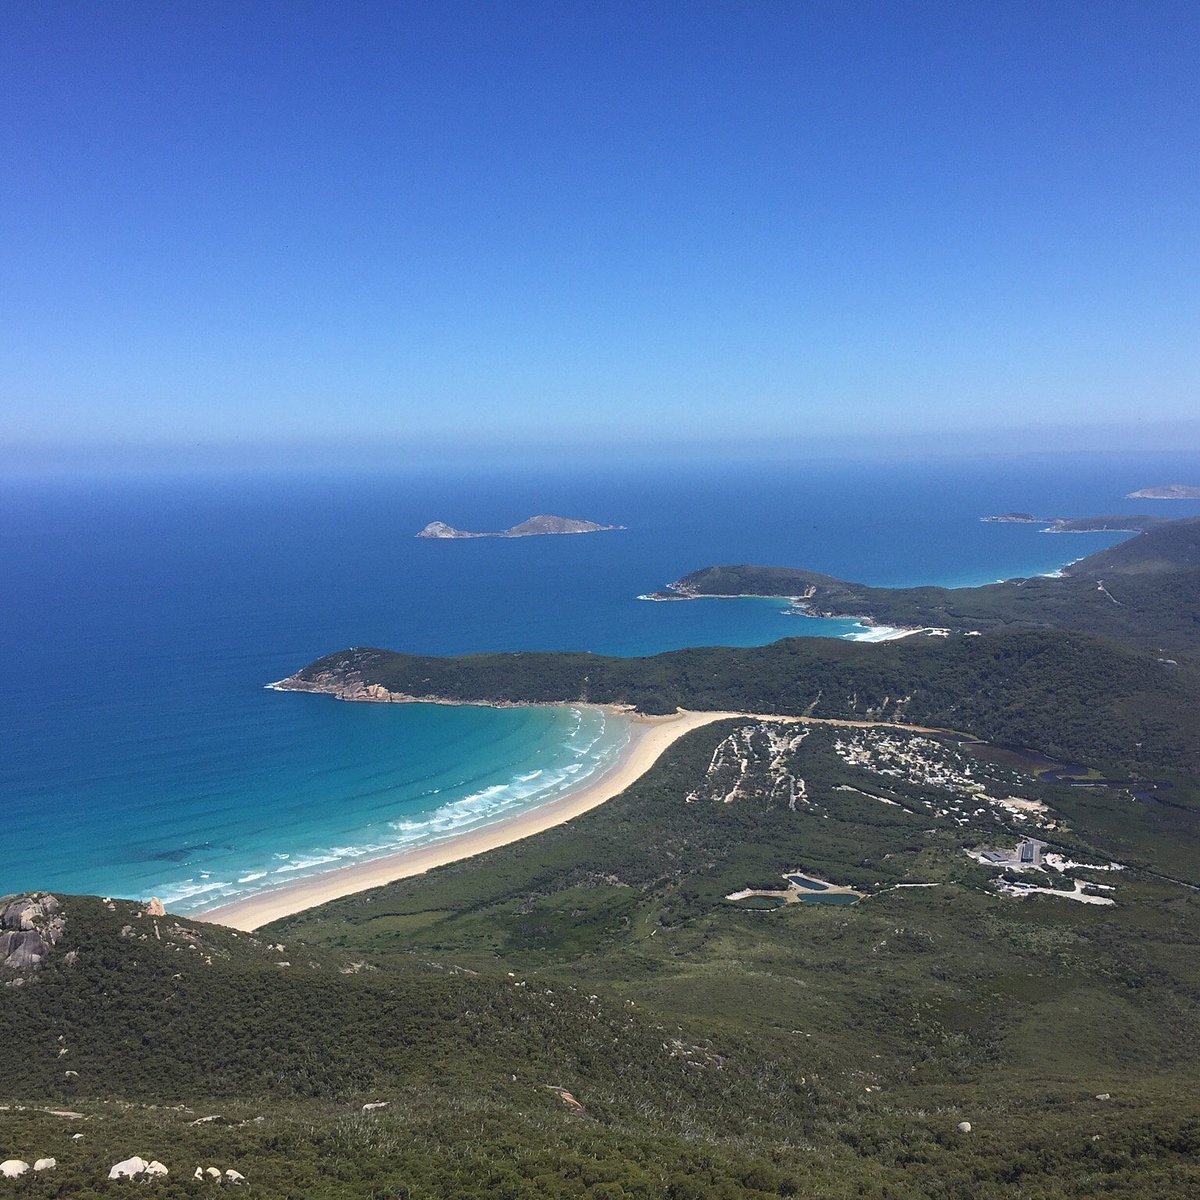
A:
(1095, 665)
(1144, 592)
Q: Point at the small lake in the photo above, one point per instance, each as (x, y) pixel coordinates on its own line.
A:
(813, 885)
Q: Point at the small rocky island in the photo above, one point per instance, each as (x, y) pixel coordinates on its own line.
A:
(1168, 491)
(535, 527)
(1013, 518)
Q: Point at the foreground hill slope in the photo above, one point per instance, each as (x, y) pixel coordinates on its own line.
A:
(586, 1014)
(266, 1051)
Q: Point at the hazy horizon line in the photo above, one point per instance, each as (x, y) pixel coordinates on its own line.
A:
(392, 450)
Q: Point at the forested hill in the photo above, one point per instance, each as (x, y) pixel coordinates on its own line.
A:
(1068, 695)
(1145, 592)
(1169, 547)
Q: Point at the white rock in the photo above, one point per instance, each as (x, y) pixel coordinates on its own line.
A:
(155, 908)
(1104, 1096)
(156, 1168)
(45, 1164)
(199, 1173)
(128, 1168)
(963, 1127)
(235, 1177)
(13, 1167)
(213, 1172)
(375, 1106)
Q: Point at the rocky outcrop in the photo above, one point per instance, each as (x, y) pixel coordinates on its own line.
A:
(215, 1175)
(128, 1168)
(439, 529)
(342, 685)
(30, 926)
(137, 1168)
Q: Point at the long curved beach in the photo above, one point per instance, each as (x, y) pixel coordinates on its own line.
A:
(649, 738)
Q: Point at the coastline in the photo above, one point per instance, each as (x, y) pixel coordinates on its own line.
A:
(650, 737)
(869, 630)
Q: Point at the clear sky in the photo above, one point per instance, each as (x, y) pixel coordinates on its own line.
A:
(598, 224)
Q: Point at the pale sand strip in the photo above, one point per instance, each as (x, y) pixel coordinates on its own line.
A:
(649, 739)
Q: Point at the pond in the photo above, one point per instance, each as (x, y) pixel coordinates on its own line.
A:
(813, 885)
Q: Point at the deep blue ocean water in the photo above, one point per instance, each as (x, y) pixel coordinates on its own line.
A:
(142, 617)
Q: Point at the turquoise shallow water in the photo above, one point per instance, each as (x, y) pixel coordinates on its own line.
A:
(141, 753)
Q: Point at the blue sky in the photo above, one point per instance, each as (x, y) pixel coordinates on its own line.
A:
(495, 225)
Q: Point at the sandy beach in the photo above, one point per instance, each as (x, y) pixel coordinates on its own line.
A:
(649, 738)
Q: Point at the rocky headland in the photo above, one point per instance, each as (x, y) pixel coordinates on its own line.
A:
(30, 927)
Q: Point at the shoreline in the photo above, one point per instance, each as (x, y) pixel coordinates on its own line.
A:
(871, 631)
(650, 737)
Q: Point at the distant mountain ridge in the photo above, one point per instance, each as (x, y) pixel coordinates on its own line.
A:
(538, 526)
(1167, 491)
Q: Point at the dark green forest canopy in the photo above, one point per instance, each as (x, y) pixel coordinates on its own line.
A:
(1144, 592)
(1069, 695)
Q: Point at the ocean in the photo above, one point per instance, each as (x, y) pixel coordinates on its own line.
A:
(143, 616)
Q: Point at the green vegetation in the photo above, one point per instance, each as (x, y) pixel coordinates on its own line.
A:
(1118, 523)
(716, 1050)
(1149, 598)
(586, 1014)
(1171, 546)
(1150, 612)
(1071, 696)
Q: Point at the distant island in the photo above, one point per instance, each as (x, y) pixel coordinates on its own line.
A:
(539, 526)
(1168, 491)
(1014, 518)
